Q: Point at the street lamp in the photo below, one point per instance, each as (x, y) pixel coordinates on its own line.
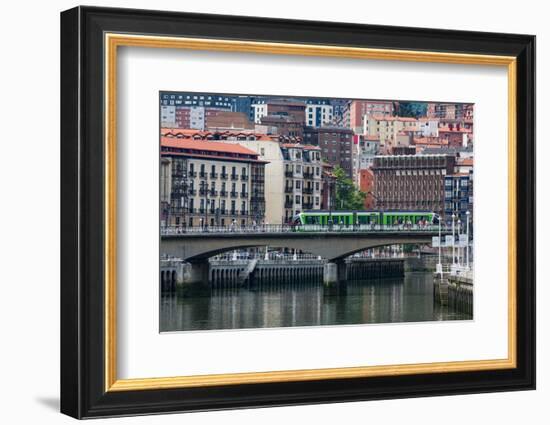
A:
(459, 253)
(439, 267)
(468, 240)
(453, 242)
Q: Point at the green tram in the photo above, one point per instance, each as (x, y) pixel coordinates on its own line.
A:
(350, 218)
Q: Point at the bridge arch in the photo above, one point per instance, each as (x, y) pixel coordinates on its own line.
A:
(331, 246)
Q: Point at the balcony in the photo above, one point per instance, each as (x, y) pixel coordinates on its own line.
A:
(234, 177)
(213, 192)
(308, 206)
(223, 193)
(192, 174)
(244, 177)
(213, 175)
(223, 211)
(233, 212)
(289, 173)
(203, 191)
(192, 192)
(288, 189)
(234, 194)
(289, 204)
(244, 194)
(202, 174)
(244, 212)
(202, 210)
(223, 176)
(308, 175)
(307, 190)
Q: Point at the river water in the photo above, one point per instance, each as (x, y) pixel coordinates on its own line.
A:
(408, 299)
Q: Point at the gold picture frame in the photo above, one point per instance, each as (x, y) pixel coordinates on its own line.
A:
(113, 29)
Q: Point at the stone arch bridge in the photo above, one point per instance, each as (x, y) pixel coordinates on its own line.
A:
(196, 248)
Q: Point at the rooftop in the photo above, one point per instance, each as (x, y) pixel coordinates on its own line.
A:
(193, 134)
(300, 146)
(385, 118)
(206, 146)
(465, 161)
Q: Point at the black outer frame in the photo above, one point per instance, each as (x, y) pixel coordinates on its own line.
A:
(82, 212)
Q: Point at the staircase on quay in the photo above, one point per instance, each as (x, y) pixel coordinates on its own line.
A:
(245, 274)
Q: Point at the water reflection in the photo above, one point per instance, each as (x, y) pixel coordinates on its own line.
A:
(406, 299)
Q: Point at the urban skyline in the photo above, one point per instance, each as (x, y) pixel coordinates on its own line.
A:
(316, 136)
(302, 211)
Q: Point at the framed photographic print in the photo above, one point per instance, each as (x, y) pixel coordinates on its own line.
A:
(261, 212)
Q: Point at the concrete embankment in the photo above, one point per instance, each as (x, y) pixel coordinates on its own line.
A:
(455, 292)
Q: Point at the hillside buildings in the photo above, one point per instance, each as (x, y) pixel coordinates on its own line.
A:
(360, 110)
(400, 162)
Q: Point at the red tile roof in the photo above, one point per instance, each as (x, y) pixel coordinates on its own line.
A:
(384, 118)
(454, 130)
(466, 161)
(190, 133)
(205, 145)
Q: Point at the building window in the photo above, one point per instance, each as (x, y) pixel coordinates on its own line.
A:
(297, 199)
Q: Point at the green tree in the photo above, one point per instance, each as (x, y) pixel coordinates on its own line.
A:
(412, 109)
(348, 197)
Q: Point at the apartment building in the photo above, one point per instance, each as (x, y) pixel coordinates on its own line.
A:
(302, 179)
(387, 128)
(360, 110)
(336, 144)
(411, 182)
(209, 183)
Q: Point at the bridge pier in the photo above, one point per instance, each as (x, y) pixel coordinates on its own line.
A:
(334, 272)
(195, 273)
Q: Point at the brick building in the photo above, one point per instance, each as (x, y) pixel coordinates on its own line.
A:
(336, 145)
(411, 182)
(358, 109)
(366, 185)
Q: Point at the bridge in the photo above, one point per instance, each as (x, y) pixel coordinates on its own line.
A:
(334, 244)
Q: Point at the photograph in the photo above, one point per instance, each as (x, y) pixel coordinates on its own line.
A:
(291, 211)
(265, 209)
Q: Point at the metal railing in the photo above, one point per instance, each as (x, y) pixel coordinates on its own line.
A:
(308, 228)
(271, 258)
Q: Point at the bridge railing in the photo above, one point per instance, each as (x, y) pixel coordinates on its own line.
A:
(307, 228)
(272, 256)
